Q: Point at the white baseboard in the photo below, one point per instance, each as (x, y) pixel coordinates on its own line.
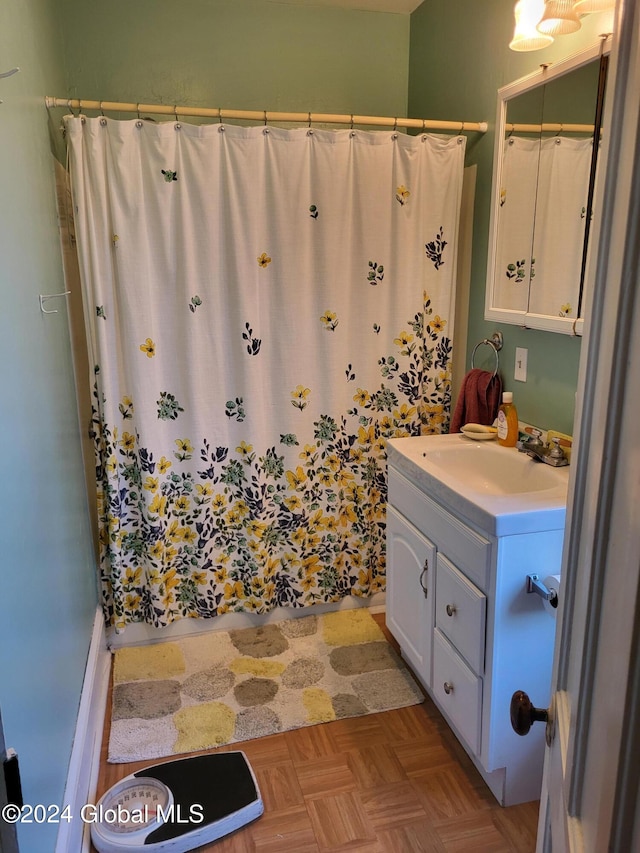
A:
(82, 778)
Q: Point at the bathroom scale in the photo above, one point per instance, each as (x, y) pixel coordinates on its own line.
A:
(177, 805)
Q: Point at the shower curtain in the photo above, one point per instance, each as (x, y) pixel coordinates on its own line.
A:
(265, 307)
(541, 224)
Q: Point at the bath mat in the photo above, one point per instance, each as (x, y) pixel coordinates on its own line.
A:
(230, 686)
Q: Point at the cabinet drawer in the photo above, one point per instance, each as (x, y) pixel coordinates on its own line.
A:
(458, 691)
(470, 551)
(460, 613)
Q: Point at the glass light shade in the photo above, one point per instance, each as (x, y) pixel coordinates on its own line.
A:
(585, 7)
(559, 18)
(526, 36)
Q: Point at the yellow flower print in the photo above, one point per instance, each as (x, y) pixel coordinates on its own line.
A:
(174, 532)
(219, 502)
(366, 436)
(347, 516)
(241, 508)
(256, 528)
(128, 441)
(182, 504)
(149, 347)
(132, 602)
(403, 339)
(344, 477)
(234, 590)
(263, 260)
(404, 414)
(158, 505)
(244, 449)
(356, 455)
(565, 310)
(330, 320)
(299, 536)
(330, 524)
(203, 493)
(300, 394)
(309, 453)
(185, 449)
(132, 577)
(164, 464)
(220, 574)
(188, 535)
(170, 554)
(307, 583)
(151, 484)
(170, 580)
(233, 518)
(296, 478)
(402, 194)
(292, 503)
(111, 464)
(362, 397)
(438, 324)
(333, 462)
(157, 550)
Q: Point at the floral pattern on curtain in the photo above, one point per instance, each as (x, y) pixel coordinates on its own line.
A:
(265, 307)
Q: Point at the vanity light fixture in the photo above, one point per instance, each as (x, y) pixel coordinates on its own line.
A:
(559, 18)
(526, 36)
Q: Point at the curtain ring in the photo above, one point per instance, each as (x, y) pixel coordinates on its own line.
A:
(71, 109)
(265, 118)
(219, 115)
(461, 129)
(351, 121)
(101, 110)
(309, 116)
(138, 110)
(175, 111)
(395, 125)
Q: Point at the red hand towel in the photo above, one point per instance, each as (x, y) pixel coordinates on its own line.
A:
(479, 399)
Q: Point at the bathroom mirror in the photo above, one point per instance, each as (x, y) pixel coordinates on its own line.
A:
(545, 164)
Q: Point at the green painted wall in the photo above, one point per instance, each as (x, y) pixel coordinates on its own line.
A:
(238, 54)
(47, 569)
(459, 58)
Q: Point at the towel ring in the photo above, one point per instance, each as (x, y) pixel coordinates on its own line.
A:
(495, 342)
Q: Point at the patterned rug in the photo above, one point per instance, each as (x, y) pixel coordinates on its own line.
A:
(224, 687)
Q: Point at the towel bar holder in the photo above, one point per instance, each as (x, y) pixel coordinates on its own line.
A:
(495, 341)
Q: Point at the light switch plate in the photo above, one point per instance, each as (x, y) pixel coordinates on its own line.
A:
(521, 364)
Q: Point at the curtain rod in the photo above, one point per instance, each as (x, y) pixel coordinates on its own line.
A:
(266, 115)
(548, 127)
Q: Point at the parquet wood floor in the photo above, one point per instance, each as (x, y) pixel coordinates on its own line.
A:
(395, 782)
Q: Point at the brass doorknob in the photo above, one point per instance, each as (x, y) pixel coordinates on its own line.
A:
(523, 713)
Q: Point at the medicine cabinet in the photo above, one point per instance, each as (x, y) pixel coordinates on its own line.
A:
(548, 135)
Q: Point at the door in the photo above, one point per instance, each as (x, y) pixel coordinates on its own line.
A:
(8, 837)
(591, 782)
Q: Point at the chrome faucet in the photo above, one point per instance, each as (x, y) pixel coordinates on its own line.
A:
(549, 454)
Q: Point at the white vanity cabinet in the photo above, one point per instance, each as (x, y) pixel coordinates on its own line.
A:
(458, 607)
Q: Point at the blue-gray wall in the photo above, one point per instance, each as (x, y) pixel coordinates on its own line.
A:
(47, 578)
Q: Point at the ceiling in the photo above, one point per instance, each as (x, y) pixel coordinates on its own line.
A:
(402, 7)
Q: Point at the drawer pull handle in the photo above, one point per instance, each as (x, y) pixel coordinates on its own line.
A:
(424, 571)
(448, 687)
(451, 609)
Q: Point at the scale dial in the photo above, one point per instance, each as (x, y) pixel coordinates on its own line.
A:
(128, 812)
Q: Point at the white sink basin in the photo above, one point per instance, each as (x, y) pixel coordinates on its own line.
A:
(487, 468)
(502, 490)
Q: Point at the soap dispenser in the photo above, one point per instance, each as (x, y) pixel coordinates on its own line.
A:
(507, 421)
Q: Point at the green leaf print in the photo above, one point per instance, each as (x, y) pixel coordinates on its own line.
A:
(168, 407)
